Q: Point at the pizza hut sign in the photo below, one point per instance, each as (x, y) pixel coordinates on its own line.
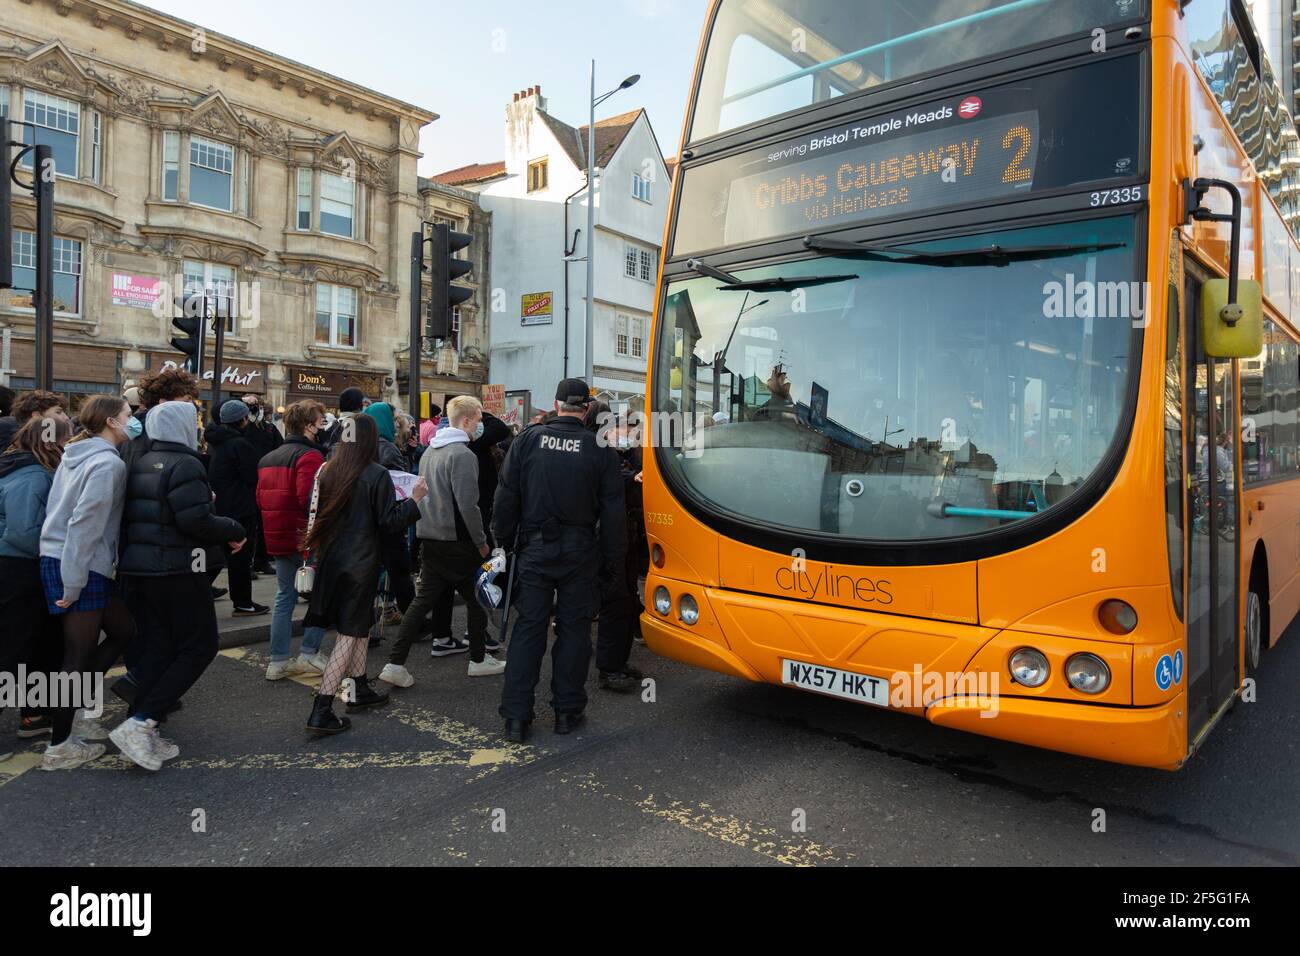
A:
(234, 377)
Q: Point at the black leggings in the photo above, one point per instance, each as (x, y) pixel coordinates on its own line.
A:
(84, 654)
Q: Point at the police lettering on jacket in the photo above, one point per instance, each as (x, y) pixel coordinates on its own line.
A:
(551, 443)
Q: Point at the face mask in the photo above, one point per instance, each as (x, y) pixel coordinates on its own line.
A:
(134, 427)
(478, 432)
(623, 442)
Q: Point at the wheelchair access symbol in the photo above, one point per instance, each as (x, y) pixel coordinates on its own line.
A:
(1165, 672)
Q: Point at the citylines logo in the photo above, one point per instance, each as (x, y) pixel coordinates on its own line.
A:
(970, 107)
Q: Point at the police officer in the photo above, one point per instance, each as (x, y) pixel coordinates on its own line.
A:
(563, 495)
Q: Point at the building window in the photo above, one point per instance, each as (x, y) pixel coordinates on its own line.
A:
(621, 334)
(638, 337)
(336, 316)
(217, 283)
(629, 336)
(337, 204)
(212, 167)
(58, 125)
(638, 263)
(67, 273)
(96, 148)
(640, 187)
(538, 173)
(304, 200)
(171, 165)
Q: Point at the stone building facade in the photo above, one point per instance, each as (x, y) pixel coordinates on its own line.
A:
(191, 162)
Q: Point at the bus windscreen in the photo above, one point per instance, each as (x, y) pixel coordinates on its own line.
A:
(1074, 128)
(770, 57)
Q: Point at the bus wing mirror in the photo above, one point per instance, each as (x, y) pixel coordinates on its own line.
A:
(1228, 329)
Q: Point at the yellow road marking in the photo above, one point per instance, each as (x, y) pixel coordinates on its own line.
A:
(485, 750)
(306, 761)
(791, 849)
(19, 764)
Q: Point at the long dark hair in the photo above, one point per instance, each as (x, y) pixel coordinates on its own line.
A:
(338, 480)
(35, 437)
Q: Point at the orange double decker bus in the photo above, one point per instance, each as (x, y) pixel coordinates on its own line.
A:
(973, 383)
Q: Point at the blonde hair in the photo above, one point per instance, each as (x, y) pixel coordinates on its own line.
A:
(462, 406)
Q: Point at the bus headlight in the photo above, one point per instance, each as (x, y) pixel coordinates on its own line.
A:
(1087, 673)
(689, 610)
(1029, 667)
(663, 601)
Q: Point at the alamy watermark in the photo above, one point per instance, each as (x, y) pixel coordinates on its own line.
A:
(42, 690)
(1087, 299)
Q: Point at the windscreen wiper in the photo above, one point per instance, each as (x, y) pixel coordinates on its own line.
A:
(779, 284)
(985, 255)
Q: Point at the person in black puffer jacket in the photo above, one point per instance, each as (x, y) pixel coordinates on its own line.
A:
(169, 519)
(233, 475)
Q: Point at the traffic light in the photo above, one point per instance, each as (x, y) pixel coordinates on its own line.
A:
(446, 270)
(193, 322)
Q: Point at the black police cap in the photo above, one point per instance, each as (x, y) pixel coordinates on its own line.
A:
(573, 391)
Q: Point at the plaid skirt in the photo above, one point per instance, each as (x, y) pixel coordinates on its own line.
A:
(94, 596)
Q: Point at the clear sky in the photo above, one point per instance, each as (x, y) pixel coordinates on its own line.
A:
(465, 60)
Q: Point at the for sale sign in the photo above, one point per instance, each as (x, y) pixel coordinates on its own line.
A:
(136, 292)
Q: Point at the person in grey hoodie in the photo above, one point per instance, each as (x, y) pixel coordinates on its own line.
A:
(453, 541)
(83, 519)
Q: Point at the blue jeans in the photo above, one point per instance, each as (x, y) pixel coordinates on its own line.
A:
(286, 599)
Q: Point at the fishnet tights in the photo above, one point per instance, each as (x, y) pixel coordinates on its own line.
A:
(347, 660)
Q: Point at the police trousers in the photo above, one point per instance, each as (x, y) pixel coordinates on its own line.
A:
(560, 574)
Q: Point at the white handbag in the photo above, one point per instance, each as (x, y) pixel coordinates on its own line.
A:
(305, 577)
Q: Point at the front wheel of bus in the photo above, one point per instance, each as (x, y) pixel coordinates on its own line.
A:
(1254, 630)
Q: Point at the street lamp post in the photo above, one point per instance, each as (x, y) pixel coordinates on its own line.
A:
(591, 217)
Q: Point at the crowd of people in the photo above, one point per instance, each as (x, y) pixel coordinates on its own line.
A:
(115, 526)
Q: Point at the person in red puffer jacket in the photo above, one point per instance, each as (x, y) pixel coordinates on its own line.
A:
(284, 483)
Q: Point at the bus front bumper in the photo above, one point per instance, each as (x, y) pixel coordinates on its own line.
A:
(1140, 736)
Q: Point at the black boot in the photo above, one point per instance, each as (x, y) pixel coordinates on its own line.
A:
(367, 696)
(568, 723)
(516, 731)
(322, 721)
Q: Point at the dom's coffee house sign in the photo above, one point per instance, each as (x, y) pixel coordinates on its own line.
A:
(327, 384)
(243, 377)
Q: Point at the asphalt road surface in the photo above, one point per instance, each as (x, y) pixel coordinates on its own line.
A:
(712, 771)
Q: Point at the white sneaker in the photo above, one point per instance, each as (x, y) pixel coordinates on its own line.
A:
(318, 661)
(87, 728)
(293, 667)
(135, 739)
(164, 748)
(397, 675)
(490, 667)
(73, 752)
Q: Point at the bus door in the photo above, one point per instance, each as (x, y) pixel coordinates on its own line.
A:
(1212, 527)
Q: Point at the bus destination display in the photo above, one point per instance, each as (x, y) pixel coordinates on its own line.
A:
(850, 175)
(1072, 128)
